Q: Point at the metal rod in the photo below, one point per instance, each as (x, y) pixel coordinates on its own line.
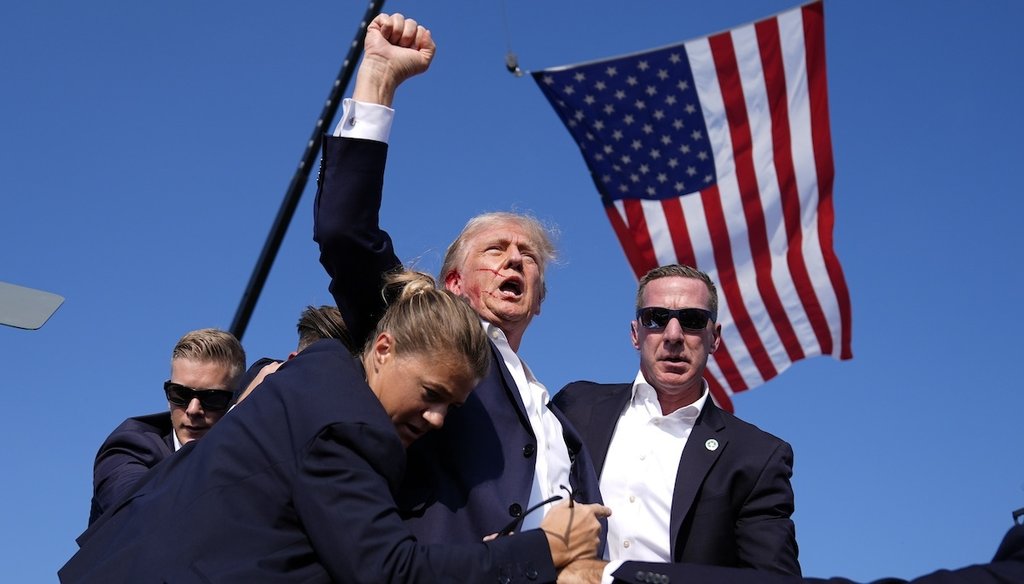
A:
(301, 177)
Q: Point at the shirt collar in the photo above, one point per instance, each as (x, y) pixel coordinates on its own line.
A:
(497, 336)
(644, 394)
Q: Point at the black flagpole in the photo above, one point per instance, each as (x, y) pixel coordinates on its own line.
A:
(299, 180)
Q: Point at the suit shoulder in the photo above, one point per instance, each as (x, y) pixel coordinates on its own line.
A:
(750, 432)
(586, 391)
(145, 438)
(325, 385)
(326, 362)
(158, 424)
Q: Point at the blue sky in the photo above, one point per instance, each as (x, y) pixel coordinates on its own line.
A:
(145, 149)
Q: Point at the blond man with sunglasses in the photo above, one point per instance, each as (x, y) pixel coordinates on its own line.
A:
(205, 365)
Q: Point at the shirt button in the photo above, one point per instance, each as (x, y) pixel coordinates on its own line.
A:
(529, 450)
(632, 499)
(643, 457)
(515, 510)
(625, 544)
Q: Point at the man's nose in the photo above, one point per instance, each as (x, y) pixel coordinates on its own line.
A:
(673, 331)
(513, 257)
(194, 407)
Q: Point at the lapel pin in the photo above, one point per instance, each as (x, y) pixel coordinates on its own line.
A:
(711, 444)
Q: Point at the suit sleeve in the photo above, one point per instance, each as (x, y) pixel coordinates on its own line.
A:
(122, 461)
(345, 503)
(650, 572)
(765, 534)
(354, 251)
(998, 571)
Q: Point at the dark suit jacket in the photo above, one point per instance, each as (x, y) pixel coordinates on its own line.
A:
(1006, 566)
(133, 448)
(295, 485)
(251, 373)
(474, 475)
(732, 505)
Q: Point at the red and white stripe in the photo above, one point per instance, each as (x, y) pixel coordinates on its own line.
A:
(764, 231)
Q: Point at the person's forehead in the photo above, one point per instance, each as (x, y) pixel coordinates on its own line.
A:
(199, 367)
(679, 291)
(447, 376)
(504, 232)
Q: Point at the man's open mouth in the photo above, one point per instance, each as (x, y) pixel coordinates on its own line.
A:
(513, 287)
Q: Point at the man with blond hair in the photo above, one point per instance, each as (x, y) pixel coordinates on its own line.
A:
(205, 365)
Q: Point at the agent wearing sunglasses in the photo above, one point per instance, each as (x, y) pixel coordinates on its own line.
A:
(688, 482)
(204, 366)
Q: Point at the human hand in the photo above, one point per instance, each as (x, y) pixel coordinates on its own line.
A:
(582, 572)
(573, 531)
(396, 48)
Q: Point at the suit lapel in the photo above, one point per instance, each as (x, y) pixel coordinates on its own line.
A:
(604, 416)
(511, 388)
(698, 457)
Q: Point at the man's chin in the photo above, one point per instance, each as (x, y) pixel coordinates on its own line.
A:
(513, 313)
(676, 381)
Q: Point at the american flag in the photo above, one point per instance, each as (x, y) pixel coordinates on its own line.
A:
(716, 153)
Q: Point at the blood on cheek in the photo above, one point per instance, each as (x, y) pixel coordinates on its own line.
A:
(493, 292)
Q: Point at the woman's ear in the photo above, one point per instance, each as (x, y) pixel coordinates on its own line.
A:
(383, 349)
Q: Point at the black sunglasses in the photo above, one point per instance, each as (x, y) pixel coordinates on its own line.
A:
(656, 317)
(211, 399)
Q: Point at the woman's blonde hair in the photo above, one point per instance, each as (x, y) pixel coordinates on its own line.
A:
(425, 320)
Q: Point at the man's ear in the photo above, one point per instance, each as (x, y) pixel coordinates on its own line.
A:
(716, 338)
(453, 282)
(633, 334)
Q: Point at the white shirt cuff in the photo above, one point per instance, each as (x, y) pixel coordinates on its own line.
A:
(609, 569)
(369, 121)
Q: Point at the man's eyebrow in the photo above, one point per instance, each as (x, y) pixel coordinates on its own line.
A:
(497, 239)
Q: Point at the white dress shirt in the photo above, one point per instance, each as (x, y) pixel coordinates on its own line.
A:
(369, 121)
(639, 474)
